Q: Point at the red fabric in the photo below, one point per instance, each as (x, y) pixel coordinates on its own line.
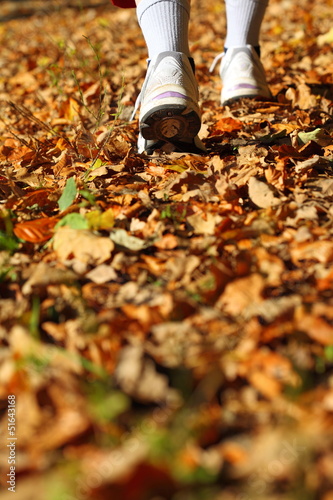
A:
(125, 4)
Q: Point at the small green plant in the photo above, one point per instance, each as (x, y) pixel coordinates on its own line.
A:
(106, 404)
(174, 213)
(101, 111)
(8, 241)
(68, 195)
(167, 212)
(329, 353)
(7, 274)
(74, 221)
(34, 317)
(108, 135)
(325, 359)
(55, 73)
(88, 196)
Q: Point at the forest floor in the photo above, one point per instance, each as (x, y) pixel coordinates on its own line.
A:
(166, 321)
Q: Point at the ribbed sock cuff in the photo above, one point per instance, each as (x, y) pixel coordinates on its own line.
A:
(147, 4)
(244, 19)
(164, 24)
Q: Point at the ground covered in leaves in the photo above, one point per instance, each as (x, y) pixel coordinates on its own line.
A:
(166, 321)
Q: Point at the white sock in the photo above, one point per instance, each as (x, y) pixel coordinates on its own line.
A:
(164, 24)
(244, 18)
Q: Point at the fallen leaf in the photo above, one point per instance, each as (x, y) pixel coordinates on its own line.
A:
(44, 275)
(319, 135)
(301, 96)
(234, 453)
(266, 385)
(315, 161)
(82, 245)
(68, 195)
(100, 220)
(317, 328)
(36, 231)
(123, 239)
(227, 125)
(167, 242)
(318, 251)
(102, 274)
(137, 376)
(203, 223)
(325, 38)
(241, 294)
(261, 194)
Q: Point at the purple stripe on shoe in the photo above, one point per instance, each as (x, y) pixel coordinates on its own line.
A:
(244, 86)
(170, 94)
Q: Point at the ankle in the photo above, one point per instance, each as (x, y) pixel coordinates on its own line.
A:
(256, 48)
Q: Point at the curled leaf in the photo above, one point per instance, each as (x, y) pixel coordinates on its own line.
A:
(261, 194)
(35, 231)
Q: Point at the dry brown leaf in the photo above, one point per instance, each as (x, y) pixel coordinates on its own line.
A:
(138, 377)
(241, 294)
(203, 223)
(315, 161)
(82, 245)
(167, 242)
(301, 96)
(234, 453)
(102, 274)
(85, 143)
(44, 274)
(220, 310)
(266, 385)
(317, 328)
(261, 194)
(318, 251)
(328, 495)
(124, 460)
(61, 162)
(227, 125)
(271, 309)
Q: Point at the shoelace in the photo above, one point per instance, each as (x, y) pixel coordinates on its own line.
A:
(217, 58)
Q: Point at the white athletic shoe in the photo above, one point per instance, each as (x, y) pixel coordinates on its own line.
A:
(242, 74)
(169, 114)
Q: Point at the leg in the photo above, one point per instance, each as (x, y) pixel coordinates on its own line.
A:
(164, 25)
(241, 70)
(244, 18)
(169, 115)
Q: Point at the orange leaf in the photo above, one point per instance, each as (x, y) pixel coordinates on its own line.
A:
(316, 328)
(40, 197)
(317, 251)
(167, 242)
(35, 231)
(228, 125)
(265, 384)
(234, 453)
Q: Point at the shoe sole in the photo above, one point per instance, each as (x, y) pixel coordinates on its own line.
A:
(253, 97)
(195, 147)
(170, 122)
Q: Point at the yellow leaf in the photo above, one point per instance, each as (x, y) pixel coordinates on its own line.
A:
(177, 168)
(100, 220)
(325, 38)
(72, 109)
